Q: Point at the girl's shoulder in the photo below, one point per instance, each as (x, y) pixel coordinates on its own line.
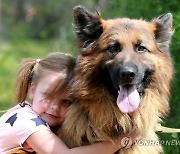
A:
(19, 123)
(21, 108)
(26, 108)
(22, 113)
(22, 116)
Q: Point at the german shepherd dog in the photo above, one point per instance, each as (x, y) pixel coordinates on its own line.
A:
(122, 79)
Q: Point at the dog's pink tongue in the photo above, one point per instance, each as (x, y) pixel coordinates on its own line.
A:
(128, 99)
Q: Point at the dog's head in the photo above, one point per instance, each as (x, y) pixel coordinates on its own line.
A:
(132, 54)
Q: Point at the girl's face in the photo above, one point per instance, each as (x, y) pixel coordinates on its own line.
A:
(50, 111)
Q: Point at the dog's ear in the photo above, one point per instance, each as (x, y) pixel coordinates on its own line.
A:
(88, 27)
(163, 31)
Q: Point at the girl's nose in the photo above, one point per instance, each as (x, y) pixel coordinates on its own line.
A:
(54, 106)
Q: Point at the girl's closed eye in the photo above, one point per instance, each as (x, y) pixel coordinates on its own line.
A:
(67, 102)
(46, 94)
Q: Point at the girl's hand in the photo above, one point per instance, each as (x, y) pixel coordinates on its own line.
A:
(127, 140)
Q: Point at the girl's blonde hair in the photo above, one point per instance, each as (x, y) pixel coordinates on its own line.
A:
(31, 70)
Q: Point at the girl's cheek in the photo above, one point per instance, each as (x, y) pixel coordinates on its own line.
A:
(63, 110)
(37, 108)
(41, 106)
(45, 103)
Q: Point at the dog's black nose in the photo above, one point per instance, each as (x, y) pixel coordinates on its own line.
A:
(127, 73)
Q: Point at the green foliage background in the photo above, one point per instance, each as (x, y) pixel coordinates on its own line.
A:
(34, 28)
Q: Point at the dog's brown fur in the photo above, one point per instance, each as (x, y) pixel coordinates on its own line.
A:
(95, 115)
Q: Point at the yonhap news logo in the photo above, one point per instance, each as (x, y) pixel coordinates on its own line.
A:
(127, 142)
(158, 142)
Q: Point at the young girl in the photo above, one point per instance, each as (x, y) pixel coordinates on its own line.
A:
(27, 126)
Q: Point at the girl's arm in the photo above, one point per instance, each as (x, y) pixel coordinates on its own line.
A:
(45, 142)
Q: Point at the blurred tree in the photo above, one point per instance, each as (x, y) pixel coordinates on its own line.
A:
(40, 19)
(20, 10)
(0, 20)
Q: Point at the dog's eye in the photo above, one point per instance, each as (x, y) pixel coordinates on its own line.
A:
(141, 49)
(114, 48)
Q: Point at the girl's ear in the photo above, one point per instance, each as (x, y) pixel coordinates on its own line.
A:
(31, 91)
